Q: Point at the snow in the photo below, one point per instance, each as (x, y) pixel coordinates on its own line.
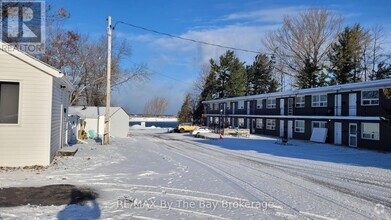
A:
(158, 175)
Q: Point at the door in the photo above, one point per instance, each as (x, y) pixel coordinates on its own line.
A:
(290, 129)
(337, 133)
(290, 106)
(253, 126)
(337, 104)
(248, 108)
(353, 135)
(352, 104)
(281, 128)
(61, 144)
(282, 106)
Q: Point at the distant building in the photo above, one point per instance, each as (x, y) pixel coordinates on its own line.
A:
(350, 112)
(94, 118)
(33, 109)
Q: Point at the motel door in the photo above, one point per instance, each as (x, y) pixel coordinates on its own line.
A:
(281, 106)
(352, 104)
(353, 135)
(337, 104)
(253, 126)
(282, 128)
(337, 133)
(290, 129)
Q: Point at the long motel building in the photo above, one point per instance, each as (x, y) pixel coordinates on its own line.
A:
(352, 113)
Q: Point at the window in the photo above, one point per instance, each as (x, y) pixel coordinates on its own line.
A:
(370, 131)
(319, 100)
(228, 104)
(9, 103)
(215, 106)
(370, 97)
(299, 126)
(300, 102)
(241, 105)
(216, 120)
(211, 120)
(229, 121)
(271, 124)
(271, 103)
(318, 124)
(259, 123)
(259, 103)
(241, 122)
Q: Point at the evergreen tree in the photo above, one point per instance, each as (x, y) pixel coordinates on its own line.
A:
(308, 76)
(260, 78)
(345, 55)
(383, 71)
(230, 75)
(185, 114)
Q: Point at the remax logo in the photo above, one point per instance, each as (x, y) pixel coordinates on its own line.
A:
(23, 25)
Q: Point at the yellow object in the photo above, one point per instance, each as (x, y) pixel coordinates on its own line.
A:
(186, 127)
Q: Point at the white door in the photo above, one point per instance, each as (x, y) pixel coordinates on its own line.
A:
(353, 135)
(290, 106)
(290, 129)
(282, 106)
(253, 126)
(281, 128)
(233, 108)
(352, 104)
(248, 108)
(337, 133)
(337, 105)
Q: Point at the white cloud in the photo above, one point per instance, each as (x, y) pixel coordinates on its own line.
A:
(274, 15)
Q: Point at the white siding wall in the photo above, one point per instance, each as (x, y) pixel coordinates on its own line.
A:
(27, 143)
(60, 97)
(119, 124)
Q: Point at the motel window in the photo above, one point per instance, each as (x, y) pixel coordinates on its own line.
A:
(299, 126)
(241, 105)
(259, 123)
(319, 100)
(241, 122)
(318, 124)
(271, 124)
(9, 103)
(228, 105)
(300, 102)
(259, 103)
(370, 97)
(370, 131)
(271, 103)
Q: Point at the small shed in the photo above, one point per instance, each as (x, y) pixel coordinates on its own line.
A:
(33, 109)
(94, 118)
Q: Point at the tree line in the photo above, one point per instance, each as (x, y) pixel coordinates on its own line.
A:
(310, 49)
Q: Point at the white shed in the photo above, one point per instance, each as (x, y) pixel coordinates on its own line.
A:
(95, 119)
(33, 109)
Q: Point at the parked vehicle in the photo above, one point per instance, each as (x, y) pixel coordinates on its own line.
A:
(185, 127)
(200, 130)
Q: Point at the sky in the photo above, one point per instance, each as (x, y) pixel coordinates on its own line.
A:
(174, 63)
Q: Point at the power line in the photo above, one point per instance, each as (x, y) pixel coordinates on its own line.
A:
(186, 39)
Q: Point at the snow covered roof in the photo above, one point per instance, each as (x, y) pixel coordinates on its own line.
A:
(335, 88)
(44, 67)
(92, 111)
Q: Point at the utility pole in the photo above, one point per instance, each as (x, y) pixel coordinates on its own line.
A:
(107, 116)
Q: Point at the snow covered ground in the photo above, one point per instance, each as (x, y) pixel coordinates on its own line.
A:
(158, 175)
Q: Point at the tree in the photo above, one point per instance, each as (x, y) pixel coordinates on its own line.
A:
(302, 43)
(185, 114)
(156, 106)
(260, 78)
(230, 75)
(346, 55)
(383, 71)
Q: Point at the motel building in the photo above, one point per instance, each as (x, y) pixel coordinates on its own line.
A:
(351, 113)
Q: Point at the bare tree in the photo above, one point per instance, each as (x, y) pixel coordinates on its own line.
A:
(156, 106)
(302, 40)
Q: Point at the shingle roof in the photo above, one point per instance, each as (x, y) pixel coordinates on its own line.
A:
(92, 111)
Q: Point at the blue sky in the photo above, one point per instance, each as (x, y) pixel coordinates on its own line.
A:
(175, 63)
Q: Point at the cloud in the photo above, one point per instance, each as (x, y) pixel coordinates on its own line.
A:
(273, 15)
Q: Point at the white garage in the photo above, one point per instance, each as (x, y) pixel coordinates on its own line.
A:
(94, 118)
